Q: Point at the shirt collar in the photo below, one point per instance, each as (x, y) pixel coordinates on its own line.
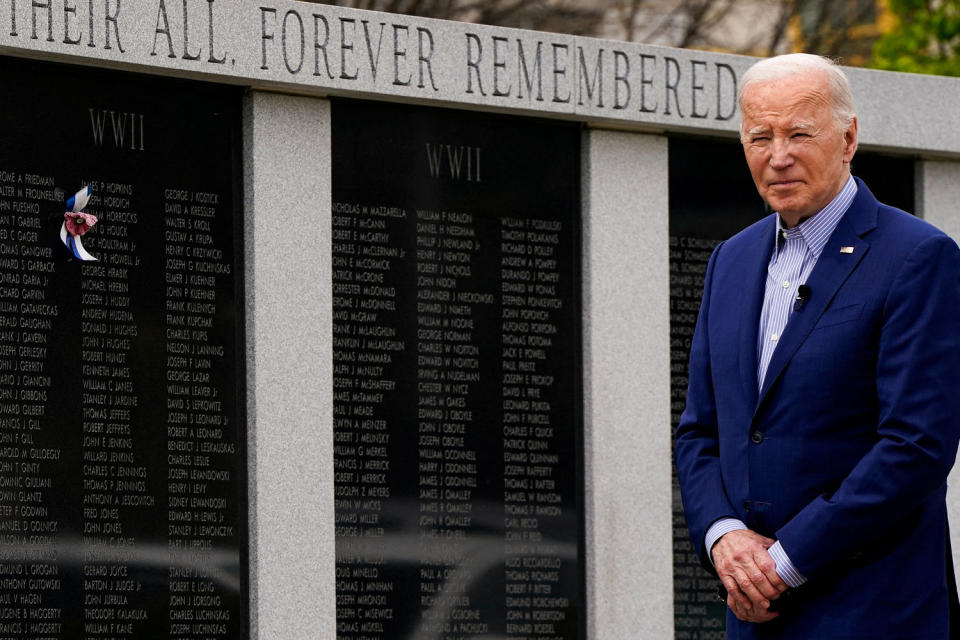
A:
(817, 229)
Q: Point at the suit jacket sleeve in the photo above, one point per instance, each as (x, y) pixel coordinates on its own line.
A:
(697, 445)
(917, 373)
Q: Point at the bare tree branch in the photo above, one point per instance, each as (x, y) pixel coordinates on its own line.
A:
(788, 8)
(627, 10)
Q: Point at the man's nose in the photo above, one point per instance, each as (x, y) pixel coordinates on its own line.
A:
(780, 156)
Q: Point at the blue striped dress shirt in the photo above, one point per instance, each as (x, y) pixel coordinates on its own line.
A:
(795, 253)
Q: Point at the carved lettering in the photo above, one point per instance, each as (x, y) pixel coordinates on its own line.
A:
(374, 58)
(398, 53)
(127, 128)
(264, 36)
(48, 5)
(462, 162)
(163, 30)
(673, 67)
(213, 58)
(594, 85)
(621, 79)
(320, 49)
(696, 88)
(98, 120)
(499, 65)
(345, 46)
(108, 19)
(425, 59)
(646, 82)
(473, 63)
(525, 71)
(300, 36)
(69, 9)
(186, 36)
(560, 71)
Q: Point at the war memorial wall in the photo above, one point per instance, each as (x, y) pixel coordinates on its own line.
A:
(382, 328)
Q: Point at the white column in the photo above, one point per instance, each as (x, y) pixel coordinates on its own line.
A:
(289, 366)
(938, 202)
(629, 558)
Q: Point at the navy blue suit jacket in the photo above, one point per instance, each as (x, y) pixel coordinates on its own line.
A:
(844, 453)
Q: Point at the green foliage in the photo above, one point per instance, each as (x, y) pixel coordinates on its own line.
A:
(926, 38)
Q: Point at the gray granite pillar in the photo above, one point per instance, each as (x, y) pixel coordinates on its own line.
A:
(626, 327)
(938, 202)
(289, 366)
(938, 194)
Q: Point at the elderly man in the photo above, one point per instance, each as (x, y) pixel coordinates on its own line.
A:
(823, 409)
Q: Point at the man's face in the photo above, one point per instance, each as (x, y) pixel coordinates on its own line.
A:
(797, 153)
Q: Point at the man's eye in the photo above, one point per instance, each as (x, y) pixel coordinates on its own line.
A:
(800, 135)
(760, 139)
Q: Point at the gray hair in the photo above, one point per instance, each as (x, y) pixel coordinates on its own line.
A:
(791, 64)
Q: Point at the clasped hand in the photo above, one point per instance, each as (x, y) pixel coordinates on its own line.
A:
(748, 573)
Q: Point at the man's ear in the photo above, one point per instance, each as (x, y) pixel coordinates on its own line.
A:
(850, 141)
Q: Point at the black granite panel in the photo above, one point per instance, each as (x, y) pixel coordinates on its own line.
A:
(458, 428)
(122, 456)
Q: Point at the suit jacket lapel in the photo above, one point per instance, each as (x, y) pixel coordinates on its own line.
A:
(830, 272)
(751, 304)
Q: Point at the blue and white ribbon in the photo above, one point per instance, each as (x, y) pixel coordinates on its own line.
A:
(76, 204)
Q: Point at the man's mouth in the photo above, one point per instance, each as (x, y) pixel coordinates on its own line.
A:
(781, 184)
